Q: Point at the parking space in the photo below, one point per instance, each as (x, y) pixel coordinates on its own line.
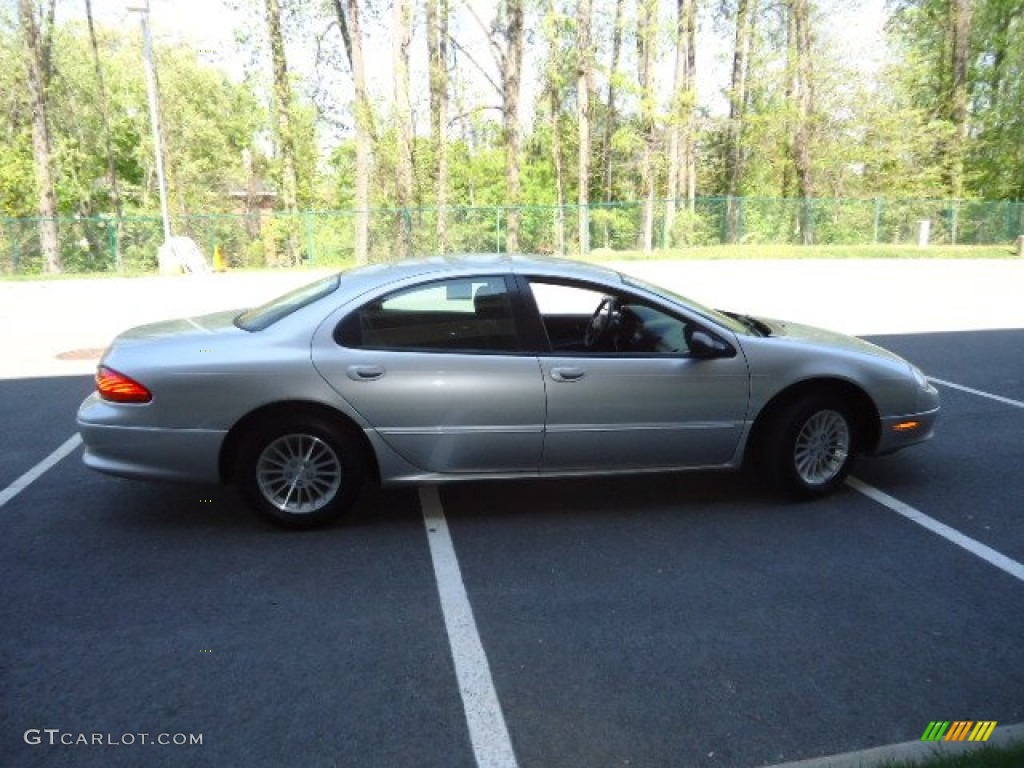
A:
(969, 477)
(685, 620)
(132, 608)
(36, 419)
(693, 622)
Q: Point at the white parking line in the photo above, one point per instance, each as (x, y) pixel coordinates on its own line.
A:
(39, 469)
(487, 731)
(986, 553)
(978, 392)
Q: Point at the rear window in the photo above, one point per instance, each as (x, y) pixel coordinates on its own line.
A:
(258, 318)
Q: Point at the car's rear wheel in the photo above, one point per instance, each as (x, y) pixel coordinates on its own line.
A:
(811, 446)
(300, 472)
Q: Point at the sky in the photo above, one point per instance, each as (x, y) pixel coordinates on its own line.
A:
(851, 26)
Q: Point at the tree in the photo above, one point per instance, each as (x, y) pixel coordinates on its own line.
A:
(115, 192)
(995, 152)
(34, 56)
(960, 65)
(804, 102)
(403, 113)
(746, 11)
(646, 42)
(960, 32)
(350, 26)
(511, 56)
(611, 112)
(584, 86)
(554, 86)
(505, 38)
(284, 119)
(682, 141)
(437, 52)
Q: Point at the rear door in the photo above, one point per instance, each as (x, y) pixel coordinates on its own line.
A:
(438, 370)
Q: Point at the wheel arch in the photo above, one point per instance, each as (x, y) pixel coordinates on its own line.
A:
(865, 412)
(282, 409)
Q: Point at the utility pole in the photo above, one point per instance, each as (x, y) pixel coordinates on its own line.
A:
(154, 111)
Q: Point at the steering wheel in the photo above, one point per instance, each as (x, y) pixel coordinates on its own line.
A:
(601, 321)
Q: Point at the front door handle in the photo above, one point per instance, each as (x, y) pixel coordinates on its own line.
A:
(364, 372)
(567, 374)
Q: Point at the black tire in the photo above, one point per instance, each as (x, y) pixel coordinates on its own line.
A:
(300, 472)
(810, 446)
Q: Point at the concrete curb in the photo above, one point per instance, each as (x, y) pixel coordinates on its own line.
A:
(876, 757)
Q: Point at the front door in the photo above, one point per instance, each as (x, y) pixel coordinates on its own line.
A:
(627, 393)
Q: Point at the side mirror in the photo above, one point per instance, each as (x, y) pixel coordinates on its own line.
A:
(704, 346)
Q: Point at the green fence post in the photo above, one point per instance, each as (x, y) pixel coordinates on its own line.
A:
(725, 219)
(112, 243)
(878, 219)
(497, 238)
(310, 245)
(16, 255)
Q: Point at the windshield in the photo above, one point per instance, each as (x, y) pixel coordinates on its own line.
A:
(711, 314)
(258, 318)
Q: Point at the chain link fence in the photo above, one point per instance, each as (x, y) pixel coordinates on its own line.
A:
(327, 238)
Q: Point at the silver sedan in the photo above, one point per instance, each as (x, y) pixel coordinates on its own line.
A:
(484, 368)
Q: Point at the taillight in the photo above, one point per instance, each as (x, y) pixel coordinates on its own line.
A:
(119, 388)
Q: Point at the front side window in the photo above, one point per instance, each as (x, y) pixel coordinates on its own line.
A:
(465, 314)
(580, 320)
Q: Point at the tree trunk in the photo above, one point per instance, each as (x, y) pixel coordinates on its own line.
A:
(352, 37)
(437, 44)
(554, 86)
(646, 42)
(688, 162)
(511, 77)
(284, 125)
(804, 107)
(115, 193)
(584, 86)
(556, 160)
(737, 112)
(48, 242)
(681, 149)
(610, 116)
(403, 108)
(960, 12)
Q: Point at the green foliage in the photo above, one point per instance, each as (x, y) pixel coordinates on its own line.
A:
(206, 121)
(879, 142)
(922, 71)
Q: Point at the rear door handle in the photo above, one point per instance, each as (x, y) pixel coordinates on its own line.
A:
(364, 372)
(567, 374)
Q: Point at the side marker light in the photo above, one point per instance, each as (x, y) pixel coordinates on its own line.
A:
(906, 426)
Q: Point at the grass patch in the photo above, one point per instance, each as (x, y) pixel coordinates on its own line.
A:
(785, 251)
(705, 252)
(987, 757)
(33, 277)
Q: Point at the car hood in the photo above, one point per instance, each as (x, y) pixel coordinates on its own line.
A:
(826, 338)
(200, 326)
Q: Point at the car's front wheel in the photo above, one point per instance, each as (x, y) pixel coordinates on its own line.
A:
(812, 446)
(300, 472)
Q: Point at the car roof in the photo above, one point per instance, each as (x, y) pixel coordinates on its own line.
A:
(360, 279)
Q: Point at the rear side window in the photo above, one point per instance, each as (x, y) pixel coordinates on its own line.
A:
(258, 318)
(465, 314)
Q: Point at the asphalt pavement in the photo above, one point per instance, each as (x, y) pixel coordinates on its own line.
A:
(684, 620)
